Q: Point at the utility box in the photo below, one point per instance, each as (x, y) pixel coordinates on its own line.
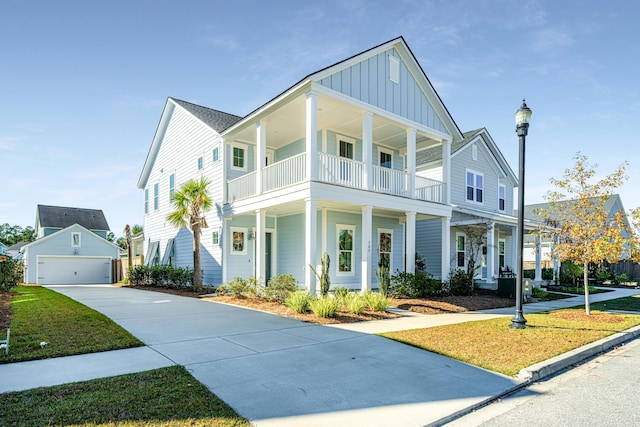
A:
(507, 287)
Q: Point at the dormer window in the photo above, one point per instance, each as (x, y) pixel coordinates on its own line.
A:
(394, 69)
(502, 197)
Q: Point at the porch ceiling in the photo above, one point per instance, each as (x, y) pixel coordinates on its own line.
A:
(287, 124)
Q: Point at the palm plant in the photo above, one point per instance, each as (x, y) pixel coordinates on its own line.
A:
(191, 202)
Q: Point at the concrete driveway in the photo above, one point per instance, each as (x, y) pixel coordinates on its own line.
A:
(278, 371)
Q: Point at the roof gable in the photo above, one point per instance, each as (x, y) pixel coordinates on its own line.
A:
(65, 230)
(62, 217)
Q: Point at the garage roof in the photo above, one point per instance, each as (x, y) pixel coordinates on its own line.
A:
(63, 217)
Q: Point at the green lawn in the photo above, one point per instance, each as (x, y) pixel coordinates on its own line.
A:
(493, 345)
(163, 397)
(68, 327)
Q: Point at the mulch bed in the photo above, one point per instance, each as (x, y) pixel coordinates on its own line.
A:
(452, 304)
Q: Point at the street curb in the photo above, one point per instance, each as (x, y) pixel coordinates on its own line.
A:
(549, 367)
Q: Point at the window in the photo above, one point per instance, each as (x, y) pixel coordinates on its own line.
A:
(501, 261)
(394, 69)
(475, 186)
(346, 235)
(502, 193)
(215, 238)
(460, 249)
(238, 159)
(156, 203)
(474, 152)
(146, 200)
(200, 163)
(346, 152)
(384, 248)
(172, 187)
(216, 154)
(238, 241)
(75, 240)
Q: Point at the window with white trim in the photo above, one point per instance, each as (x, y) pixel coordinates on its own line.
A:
(501, 252)
(200, 163)
(238, 240)
(156, 195)
(172, 187)
(474, 152)
(460, 250)
(394, 69)
(238, 158)
(475, 186)
(215, 238)
(216, 154)
(345, 249)
(502, 197)
(385, 248)
(146, 200)
(76, 240)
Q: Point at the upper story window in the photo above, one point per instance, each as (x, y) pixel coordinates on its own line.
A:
(200, 163)
(238, 160)
(156, 195)
(146, 200)
(172, 187)
(75, 240)
(502, 197)
(474, 152)
(216, 154)
(394, 69)
(475, 186)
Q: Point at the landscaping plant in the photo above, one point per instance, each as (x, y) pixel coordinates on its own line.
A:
(323, 276)
(376, 301)
(280, 286)
(355, 302)
(324, 306)
(298, 301)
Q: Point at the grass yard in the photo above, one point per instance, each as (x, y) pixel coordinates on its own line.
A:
(493, 345)
(68, 327)
(163, 397)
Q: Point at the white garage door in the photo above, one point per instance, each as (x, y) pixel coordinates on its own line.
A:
(73, 270)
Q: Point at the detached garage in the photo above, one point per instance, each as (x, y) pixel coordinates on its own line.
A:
(73, 255)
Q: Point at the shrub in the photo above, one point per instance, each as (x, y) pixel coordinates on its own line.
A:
(620, 278)
(547, 274)
(279, 288)
(11, 274)
(324, 306)
(384, 278)
(460, 282)
(240, 288)
(376, 301)
(421, 265)
(222, 290)
(539, 293)
(602, 274)
(355, 303)
(418, 285)
(341, 293)
(298, 301)
(161, 276)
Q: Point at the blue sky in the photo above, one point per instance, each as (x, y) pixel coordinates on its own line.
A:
(83, 83)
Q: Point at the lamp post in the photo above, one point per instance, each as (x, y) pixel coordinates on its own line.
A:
(523, 115)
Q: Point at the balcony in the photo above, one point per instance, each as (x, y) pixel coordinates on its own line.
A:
(339, 171)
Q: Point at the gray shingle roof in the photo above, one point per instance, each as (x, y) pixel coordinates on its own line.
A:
(215, 119)
(530, 210)
(62, 217)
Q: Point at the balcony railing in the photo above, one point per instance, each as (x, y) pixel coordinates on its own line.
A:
(335, 170)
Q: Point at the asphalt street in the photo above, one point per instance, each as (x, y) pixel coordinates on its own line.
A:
(601, 392)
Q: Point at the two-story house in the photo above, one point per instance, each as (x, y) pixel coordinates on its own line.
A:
(360, 160)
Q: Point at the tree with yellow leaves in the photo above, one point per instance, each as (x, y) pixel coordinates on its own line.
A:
(584, 229)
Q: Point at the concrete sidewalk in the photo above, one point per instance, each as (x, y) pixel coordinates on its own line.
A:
(279, 371)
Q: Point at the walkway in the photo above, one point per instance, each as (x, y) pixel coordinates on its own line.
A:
(278, 371)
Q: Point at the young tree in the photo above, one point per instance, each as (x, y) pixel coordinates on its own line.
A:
(577, 213)
(127, 236)
(191, 202)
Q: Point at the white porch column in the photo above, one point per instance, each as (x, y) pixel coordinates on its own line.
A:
(445, 262)
(223, 156)
(446, 171)
(410, 262)
(514, 250)
(260, 245)
(261, 152)
(310, 244)
(491, 251)
(226, 244)
(538, 276)
(367, 148)
(311, 137)
(411, 163)
(365, 264)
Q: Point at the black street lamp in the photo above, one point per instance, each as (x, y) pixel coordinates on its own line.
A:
(523, 115)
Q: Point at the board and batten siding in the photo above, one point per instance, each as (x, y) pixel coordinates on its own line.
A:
(184, 141)
(368, 81)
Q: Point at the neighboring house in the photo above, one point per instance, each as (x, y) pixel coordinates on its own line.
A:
(538, 252)
(71, 247)
(14, 250)
(3, 249)
(361, 160)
